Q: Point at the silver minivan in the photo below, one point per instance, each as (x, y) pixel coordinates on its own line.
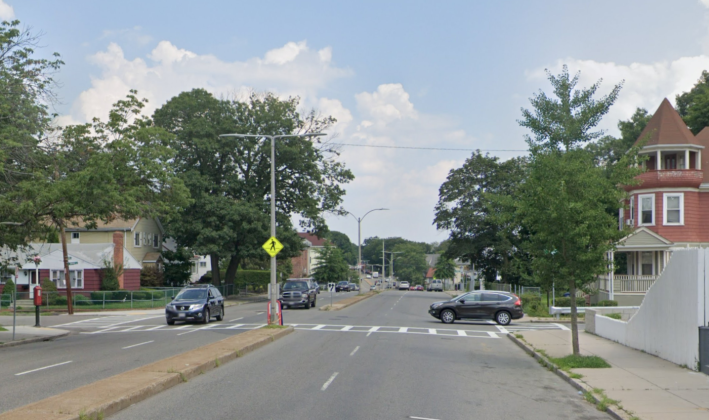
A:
(435, 285)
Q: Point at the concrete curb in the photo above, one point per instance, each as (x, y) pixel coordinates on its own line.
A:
(581, 386)
(345, 303)
(108, 396)
(33, 340)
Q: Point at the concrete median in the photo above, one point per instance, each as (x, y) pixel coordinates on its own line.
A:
(110, 395)
(348, 302)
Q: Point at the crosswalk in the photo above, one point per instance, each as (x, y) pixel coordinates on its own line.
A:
(128, 327)
(106, 321)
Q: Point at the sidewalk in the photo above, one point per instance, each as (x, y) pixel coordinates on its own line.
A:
(648, 387)
(26, 334)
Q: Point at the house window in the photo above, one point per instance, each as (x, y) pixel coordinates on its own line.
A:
(646, 210)
(674, 209)
(77, 279)
(632, 211)
(75, 237)
(620, 218)
(203, 264)
(136, 239)
(646, 263)
(156, 241)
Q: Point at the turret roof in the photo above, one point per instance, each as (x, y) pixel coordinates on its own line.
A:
(666, 127)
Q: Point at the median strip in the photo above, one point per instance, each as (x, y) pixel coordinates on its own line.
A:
(108, 396)
(347, 302)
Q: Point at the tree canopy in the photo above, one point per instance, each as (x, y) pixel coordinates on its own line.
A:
(331, 266)
(342, 241)
(693, 106)
(410, 265)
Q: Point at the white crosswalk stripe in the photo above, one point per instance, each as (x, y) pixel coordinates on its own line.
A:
(106, 321)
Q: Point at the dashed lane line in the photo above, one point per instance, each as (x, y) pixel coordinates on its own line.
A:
(329, 381)
(42, 368)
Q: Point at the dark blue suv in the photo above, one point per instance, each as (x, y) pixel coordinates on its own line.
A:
(196, 303)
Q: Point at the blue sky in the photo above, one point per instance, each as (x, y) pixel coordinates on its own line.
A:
(409, 73)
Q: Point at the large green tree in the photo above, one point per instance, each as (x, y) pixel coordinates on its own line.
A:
(564, 200)
(476, 204)
(410, 265)
(94, 172)
(609, 150)
(693, 106)
(229, 178)
(331, 266)
(342, 241)
(372, 248)
(445, 268)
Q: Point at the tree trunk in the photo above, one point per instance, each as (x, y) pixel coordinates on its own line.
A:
(216, 274)
(67, 277)
(574, 319)
(230, 274)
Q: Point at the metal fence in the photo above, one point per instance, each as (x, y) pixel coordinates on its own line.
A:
(156, 297)
(503, 287)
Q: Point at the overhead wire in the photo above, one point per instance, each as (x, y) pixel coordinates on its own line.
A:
(427, 148)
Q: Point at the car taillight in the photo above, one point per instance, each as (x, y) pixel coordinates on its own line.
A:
(519, 302)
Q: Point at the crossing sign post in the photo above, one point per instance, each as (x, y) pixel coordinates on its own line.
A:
(273, 246)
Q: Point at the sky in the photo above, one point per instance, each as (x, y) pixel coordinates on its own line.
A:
(409, 73)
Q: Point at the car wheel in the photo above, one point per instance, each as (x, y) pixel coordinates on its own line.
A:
(447, 316)
(312, 305)
(207, 315)
(503, 318)
(170, 322)
(307, 305)
(221, 314)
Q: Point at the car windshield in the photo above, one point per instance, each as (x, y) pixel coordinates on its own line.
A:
(295, 285)
(192, 294)
(343, 282)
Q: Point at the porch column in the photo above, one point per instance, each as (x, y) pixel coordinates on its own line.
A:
(658, 160)
(699, 160)
(611, 275)
(686, 159)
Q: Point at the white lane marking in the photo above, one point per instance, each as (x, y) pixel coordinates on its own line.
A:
(139, 344)
(206, 327)
(563, 327)
(236, 319)
(190, 331)
(403, 329)
(432, 331)
(132, 328)
(354, 351)
(502, 329)
(329, 381)
(233, 327)
(181, 327)
(462, 333)
(154, 328)
(347, 328)
(318, 327)
(79, 322)
(42, 368)
(102, 330)
(260, 313)
(492, 334)
(371, 330)
(421, 418)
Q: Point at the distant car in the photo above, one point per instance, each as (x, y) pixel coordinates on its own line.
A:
(354, 287)
(369, 276)
(435, 285)
(343, 286)
(502, 307)
(412, 288)
(299, 293)
(404, 285)
(198, 303)
(419, 287)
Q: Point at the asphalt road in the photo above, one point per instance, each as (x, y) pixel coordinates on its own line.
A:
(104, 345)
(384, 358)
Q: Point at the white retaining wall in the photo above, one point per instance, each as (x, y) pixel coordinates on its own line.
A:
(667, 322)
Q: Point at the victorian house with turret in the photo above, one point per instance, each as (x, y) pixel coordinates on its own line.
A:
(667, 210)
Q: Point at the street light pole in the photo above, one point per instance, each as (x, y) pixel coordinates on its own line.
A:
(359, 242)
(274, 292)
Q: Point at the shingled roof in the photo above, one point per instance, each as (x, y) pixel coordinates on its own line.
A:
(667, 127)
(313, 239)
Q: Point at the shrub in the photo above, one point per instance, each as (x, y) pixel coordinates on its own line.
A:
(109, 276)
(614, 316)
(566, 302)
(81, 300)
(258, 279)
(151, 276)
(49, 292)
(530, 298)
(60, 300)
(607, 303)
(6, 296)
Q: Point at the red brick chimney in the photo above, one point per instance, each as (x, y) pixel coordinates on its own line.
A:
(118, 255)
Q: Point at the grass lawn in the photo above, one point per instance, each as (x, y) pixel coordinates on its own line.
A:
(577, 362)
(2, 329)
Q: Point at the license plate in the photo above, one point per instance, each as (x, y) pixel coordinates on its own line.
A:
(181, 315)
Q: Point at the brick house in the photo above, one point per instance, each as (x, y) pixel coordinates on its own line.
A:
(304, 264)
(86, 263)
(665, 209)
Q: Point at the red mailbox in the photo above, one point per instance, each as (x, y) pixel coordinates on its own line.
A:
(37, 296)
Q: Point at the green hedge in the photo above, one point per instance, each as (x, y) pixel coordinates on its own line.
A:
(258, 279)
(566, 302)
(606, 303)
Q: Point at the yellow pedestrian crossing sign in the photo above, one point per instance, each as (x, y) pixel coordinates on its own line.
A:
(273, 246)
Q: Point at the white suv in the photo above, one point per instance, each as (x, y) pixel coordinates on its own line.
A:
(435, 285)
(404, 285)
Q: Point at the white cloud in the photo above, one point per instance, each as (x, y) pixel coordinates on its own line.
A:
(168, 70)
(388, 103)
(704, 3)
(646, 84)
(6, 11)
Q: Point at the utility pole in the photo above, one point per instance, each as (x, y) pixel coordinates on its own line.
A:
(384, 264)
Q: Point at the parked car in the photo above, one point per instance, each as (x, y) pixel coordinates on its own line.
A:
(502, 307)
(354, 287)
(412, 288)
(435, 285)
(299, 293)
(404, 285)
(317, 286)
(198, 303)
(419, 287)
(343, 286)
